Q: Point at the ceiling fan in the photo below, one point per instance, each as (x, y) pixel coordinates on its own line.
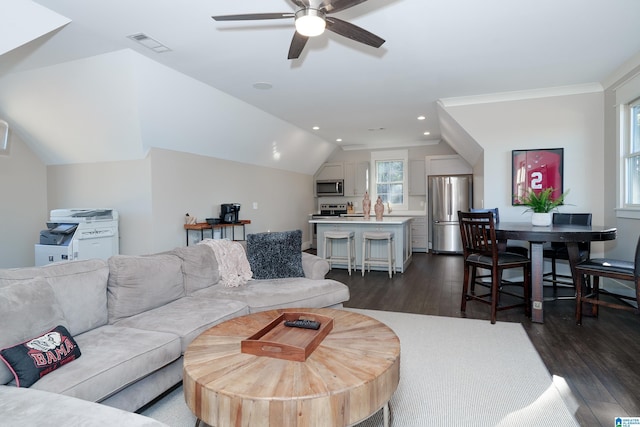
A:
(311, 20)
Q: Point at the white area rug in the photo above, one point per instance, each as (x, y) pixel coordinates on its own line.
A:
(460, 372)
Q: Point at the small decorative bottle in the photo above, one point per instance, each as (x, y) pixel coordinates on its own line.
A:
(379, 209)
(366, 205)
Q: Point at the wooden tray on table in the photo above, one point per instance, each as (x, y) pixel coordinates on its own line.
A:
(284, 342)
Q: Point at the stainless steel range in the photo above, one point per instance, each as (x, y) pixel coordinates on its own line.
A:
(327, 211)
(331, 210)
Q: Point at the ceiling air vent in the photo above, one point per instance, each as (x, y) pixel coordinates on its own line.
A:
(149, 42)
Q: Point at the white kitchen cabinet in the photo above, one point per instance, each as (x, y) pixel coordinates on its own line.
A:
(330, 171)
(419, 234)
(417, 178)
(451, 164)
(356, 177)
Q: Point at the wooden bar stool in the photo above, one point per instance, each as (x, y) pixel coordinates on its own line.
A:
(350, 259)
(368, 259)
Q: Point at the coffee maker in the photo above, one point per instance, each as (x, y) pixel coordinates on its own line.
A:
(230, 213)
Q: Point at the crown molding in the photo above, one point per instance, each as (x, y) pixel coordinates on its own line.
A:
(628, 70)
(521, 95)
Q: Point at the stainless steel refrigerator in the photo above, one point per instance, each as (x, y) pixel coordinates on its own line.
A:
(447, 196)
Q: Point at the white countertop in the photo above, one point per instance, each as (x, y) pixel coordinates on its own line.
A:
(393, 213)
(360, 220)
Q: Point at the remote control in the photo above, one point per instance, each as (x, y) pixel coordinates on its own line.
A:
(302, 323)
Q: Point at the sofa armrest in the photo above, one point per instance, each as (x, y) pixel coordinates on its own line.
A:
(314, 267)
(25, 406)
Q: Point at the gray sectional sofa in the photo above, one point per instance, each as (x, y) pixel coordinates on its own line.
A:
(133, 317)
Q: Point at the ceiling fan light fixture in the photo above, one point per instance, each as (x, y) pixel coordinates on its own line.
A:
(310, 22)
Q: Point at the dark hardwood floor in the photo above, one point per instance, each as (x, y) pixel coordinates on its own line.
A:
(599, 360)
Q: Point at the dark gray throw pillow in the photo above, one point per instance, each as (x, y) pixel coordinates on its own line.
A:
(275, 255)
(33, 359)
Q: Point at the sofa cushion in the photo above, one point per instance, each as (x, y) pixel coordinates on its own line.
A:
(28, 308)
(199, 267)
(140, 283)
(187, 317)
(80, 287)
(275, 255)
(38, 356)
(28, 407)
(261, 295)
(112, 358)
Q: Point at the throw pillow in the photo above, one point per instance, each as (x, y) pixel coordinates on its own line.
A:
(275, 255)
(27, 308)
(33, 359)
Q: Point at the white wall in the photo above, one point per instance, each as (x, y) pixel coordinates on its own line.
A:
(188, 183)
(23, 203)
(124, 186)
(153, 195)
(24, 21)
(117, 105)
(572, 122)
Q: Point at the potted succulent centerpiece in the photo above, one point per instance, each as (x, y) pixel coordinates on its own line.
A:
(542, 204)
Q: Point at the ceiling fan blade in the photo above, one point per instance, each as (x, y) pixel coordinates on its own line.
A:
(334, 6)
(297, 44)
(254, 16)
(301, 3)
(353, 32)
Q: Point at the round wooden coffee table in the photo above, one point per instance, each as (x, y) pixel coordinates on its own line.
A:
(350, 375)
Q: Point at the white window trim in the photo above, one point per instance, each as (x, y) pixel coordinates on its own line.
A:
(391, 155)
(626, 94)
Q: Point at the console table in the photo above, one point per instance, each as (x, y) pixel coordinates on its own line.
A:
(201, 226)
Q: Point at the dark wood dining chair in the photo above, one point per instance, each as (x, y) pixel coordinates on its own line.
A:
(480, 250)
(496, 217)
(589, 291)
(558, 251)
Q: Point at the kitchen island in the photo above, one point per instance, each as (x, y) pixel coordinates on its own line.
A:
(400, 226)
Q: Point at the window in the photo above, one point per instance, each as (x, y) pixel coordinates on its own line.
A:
(390, 177)
(628, 147)
(390, 181)
(632, 155)
(4, 137)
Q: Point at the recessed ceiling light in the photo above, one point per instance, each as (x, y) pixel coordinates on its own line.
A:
(427, 133)
(339, 140)
(421, 117)
(262, 85)
(316, 128)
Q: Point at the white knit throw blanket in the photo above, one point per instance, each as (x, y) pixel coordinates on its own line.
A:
(232, 261)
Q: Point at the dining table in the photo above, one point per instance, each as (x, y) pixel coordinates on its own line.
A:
(537, 236)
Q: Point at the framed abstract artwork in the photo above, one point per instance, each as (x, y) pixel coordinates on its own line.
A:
(536, 170)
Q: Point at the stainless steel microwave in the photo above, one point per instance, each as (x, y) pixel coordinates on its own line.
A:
(330, 187)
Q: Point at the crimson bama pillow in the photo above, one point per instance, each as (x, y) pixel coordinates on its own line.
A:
(33, 359)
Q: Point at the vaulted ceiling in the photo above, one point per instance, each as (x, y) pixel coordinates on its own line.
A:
(227, 89)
